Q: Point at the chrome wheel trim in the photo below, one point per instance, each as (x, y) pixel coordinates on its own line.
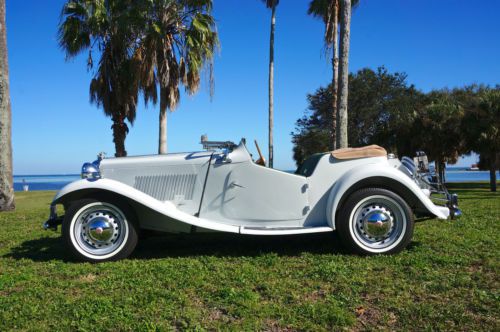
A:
(378, 223)
(99, 230)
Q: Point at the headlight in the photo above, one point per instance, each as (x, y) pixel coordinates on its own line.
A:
(90, 171)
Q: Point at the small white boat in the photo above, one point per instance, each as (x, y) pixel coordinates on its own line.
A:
(473, 167)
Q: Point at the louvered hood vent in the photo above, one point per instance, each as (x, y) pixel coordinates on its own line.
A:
(165, 187)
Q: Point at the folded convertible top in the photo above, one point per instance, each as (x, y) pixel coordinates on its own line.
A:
(362, 152)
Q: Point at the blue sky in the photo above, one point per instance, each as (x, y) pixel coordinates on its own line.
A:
(437, 43)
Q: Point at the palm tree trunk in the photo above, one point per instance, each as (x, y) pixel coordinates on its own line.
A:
(493, 173)
(442, 169)
(6, 181)
(335, 76)
(162, 142)
(345, 26)
(119, 133)
(493, 179)
(271, 87)
(438, 168)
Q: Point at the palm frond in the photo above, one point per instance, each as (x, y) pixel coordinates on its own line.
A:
(181, 38)
(271, 3)
(324, 10)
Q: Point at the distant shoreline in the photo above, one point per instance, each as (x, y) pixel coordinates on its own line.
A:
(44, 175)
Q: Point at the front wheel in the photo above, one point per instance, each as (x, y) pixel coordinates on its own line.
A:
(375, 221)
(98, 231)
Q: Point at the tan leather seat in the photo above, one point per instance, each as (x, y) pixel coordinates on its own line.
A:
(362, 152)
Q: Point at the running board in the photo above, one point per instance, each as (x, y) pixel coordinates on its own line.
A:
(283, 230)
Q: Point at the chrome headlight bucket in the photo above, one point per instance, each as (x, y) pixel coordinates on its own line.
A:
(90, 171)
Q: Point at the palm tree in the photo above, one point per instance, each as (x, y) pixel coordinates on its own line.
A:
(328, 11)
(105, 27)
(343, 88)
(176, 40)
(6, 185)
(481, 129)
(440, 119)
(272, 4)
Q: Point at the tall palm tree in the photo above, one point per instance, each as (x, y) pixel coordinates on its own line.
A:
(272, 4)
(343, 88)
(176, 40)
(105, 27)
(6, 185)
(328, 11)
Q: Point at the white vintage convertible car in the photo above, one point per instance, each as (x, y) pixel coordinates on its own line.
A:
(367, 196)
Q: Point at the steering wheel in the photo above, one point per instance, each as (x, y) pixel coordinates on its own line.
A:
(261, 161)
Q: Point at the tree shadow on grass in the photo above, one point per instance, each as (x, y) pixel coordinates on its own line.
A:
(194, 245)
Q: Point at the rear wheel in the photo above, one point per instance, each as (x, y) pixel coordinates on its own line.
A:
(98, 231)
(375, 221)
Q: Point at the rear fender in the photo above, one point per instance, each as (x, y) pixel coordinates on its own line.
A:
(380, 175)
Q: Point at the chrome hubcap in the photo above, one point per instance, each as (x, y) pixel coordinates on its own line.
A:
(100, 229)
(378, 223)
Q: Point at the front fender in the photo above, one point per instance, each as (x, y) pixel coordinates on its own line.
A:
(363, 172)
(166, 208)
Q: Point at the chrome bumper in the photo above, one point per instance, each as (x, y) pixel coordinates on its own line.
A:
(446, 200)
(430, 182)
(54, 221)
(455, 212)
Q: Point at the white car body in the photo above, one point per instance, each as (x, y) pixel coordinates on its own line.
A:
(226, 191)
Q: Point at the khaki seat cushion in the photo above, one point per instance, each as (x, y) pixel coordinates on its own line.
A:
(362, 152)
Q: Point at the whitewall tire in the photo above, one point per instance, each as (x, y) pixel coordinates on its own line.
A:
(375, 221)
(98, 231)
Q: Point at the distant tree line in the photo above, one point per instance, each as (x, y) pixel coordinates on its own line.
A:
(385, 110)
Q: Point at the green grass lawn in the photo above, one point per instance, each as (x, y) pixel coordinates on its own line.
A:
(448, 278)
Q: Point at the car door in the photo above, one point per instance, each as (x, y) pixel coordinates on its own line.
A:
(247, 194)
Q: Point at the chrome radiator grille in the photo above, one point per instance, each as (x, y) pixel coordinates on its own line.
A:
(165, 187)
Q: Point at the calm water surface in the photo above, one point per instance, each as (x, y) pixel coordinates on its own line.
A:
(43, 182)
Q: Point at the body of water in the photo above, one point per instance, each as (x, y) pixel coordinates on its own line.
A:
(56, 182)
(43, 182)
(463, 175)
